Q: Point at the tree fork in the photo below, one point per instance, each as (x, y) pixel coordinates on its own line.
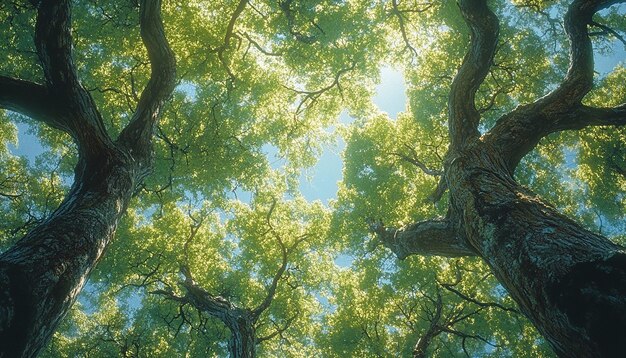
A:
(43, 273)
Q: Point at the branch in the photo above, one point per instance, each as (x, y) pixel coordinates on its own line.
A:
(399, 14)
(137, 135)
(216, 306)
(413, 159)
(426, 238)
(32, 100)
(279, 330)
(450, 287)
(607, 30)
(312, 96)
(518, 132)
(579, 79)
(259, 47)
(463, 116)
(585, 116)
(285, 6)
(435, 328)
(271, 291)
(228, 36)
(79, 115)
(53, 41)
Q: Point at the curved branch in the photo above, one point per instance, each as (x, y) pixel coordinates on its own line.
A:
(462, 112)
(518, 132)
(579, 79)
(426, 238)
(137, 136)
(312, 96)
(271, 291)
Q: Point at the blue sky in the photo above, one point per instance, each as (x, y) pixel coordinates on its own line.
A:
(320, 182)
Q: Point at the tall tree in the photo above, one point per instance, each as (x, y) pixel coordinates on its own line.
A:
(43, 272)
(570, 282)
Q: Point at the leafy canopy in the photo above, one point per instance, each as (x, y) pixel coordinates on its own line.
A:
(259, 95)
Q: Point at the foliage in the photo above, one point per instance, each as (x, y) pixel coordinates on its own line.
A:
(251, 111)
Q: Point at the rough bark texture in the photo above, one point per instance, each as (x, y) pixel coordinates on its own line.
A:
(43, 273)
(570, 282)
(428, 238)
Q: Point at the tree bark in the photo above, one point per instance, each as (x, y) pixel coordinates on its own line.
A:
(570, 282)
(44, 272)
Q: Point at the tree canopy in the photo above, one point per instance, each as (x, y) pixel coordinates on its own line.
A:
(216, 250)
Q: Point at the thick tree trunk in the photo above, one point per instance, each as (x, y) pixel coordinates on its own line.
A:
(44, 272)
(570, 282)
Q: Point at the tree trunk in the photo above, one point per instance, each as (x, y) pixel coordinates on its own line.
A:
(242, 343)
(570, 282)
(44, 272)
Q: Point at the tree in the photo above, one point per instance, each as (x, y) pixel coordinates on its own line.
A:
(566, 279)
(43, 273)
(258, 84)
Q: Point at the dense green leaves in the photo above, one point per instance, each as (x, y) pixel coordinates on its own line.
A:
(258, 95)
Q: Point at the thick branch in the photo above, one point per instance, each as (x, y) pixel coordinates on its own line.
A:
(463, 116)
(579, 79)
(137, 135)
(584, 116)
(239, 321)
(518, 132)
(32, 100)
(53, 41)
(216, 306)
(426, 238)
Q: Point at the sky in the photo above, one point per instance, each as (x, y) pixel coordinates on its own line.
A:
(320, 182)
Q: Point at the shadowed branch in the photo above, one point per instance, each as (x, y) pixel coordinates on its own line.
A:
(427, 238)
(462, 112)
(137, 136)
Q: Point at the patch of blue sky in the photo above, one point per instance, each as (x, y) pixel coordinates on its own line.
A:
(344, 260)
(320, 181)
(605, 63)
(189, 89)
(28, 145)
